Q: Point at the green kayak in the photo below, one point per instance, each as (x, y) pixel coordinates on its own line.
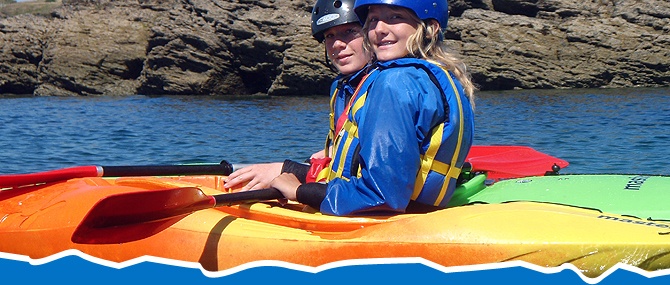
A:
(641, 196)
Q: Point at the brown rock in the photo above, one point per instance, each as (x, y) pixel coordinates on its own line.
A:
(224, 47)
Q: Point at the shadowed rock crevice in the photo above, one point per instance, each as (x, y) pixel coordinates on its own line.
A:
(527, 8)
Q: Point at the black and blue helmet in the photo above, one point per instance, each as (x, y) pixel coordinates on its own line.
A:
(330, 13)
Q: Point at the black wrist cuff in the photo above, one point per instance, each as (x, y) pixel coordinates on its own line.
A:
(298, 169)
(312, 194)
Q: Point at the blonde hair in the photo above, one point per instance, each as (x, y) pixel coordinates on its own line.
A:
(426, 43)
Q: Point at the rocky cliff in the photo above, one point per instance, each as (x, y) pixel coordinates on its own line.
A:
(220, 47)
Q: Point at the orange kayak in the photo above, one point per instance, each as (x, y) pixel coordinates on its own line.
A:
(40, 221)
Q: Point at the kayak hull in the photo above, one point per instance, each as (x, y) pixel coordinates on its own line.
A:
(40, 221)
(642, 196)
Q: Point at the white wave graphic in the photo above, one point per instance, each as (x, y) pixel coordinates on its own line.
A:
(338, 264)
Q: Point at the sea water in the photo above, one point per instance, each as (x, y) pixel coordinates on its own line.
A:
(596, 130)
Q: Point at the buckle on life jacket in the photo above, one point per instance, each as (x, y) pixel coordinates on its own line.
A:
(317, 169)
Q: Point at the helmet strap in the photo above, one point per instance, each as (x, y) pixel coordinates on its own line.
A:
(328, 62)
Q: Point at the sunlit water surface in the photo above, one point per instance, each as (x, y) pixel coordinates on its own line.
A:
(596, 130)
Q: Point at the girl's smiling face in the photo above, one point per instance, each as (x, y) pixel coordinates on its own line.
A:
(389, 29)
(344, 45)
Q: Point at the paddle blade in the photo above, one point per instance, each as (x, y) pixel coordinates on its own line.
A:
(505, 162)
(131, 216)
(146, 206)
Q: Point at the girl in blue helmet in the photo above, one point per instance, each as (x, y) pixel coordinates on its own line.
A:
(334, 24)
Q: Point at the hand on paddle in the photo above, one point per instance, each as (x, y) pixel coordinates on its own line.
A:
(264, 175)
(287, 184)
(257, 176)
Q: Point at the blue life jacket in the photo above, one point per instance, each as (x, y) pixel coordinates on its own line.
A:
(407, 132)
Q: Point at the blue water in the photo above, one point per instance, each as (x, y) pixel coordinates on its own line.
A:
(48, 132)
(596, 130)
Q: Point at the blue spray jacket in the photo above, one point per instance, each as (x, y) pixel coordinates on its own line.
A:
(406, 136)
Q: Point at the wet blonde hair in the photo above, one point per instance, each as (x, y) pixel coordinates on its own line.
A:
(426, 43)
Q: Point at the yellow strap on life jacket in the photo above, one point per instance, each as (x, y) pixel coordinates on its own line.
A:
(349, 132)
(428, 160)
(323, 175)
(331, 117)
(453, 172)
(345, 150)
(358, 104)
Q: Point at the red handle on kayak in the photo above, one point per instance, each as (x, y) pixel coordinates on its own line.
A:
(505, 162)
(16, 180)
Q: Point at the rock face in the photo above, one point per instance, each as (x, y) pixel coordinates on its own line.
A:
(241, 47)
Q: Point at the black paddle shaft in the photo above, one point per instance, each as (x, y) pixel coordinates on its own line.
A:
(250, 196)
(224, 168)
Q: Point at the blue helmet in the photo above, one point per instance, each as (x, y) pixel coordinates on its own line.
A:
(330, 13)
(425, 9)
